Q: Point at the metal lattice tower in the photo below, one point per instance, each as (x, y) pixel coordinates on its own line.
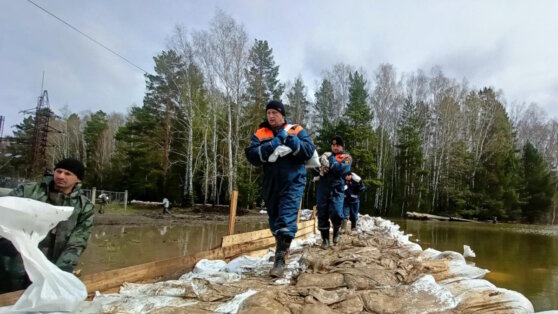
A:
(40, 135)
(2, 119)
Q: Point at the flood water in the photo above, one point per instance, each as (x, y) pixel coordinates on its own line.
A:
(523, 258)
(114, 246)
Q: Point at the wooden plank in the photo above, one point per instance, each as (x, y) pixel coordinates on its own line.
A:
(10, 297)
(245, 237)
(255, 235)
(305, 224)
(315, 218)
(299, 211)
(232, 215)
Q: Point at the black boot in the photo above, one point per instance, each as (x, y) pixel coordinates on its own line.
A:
(336, 234)
(353, 226)
(325, 238)
(283, 244)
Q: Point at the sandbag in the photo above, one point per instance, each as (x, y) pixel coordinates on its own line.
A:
(25, 222)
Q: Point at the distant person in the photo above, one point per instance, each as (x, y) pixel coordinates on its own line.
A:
(166, 206)
(330, 194)
(351, 203)
(67, 241)
(103, 200)
(283, 179)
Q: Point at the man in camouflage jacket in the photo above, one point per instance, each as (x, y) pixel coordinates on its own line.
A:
(67, 241)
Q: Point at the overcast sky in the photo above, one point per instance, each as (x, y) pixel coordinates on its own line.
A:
(510, 45)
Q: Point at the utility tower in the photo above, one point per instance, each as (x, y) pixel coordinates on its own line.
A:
(2, 119)
(39, 139)
(40, 136)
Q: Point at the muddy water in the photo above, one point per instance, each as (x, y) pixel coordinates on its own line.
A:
(523, 258)
(112, 247)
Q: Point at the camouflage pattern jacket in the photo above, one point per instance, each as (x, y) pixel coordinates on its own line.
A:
(67, 241)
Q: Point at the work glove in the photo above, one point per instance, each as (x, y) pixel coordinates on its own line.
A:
(292, 142)
(67, 268)
(281, 135)
(324, 163)
(324, 159)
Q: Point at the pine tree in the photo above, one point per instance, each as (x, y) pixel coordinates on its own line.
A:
(325, 102)
(298, 105)
(409, 159)
(539, 188)
(263, 84)
(92, 134)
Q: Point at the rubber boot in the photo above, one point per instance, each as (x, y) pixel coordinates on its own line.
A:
(325, 238)
(344, 225)
(336, 234)
(283, 244)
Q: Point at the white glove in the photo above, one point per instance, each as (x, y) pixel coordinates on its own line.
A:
(324, 159)
(324, 163)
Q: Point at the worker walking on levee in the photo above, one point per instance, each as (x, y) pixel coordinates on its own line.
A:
(284, 175)
(330, 195)
(351, 204)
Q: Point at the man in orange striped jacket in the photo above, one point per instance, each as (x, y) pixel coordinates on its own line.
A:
(283, 179)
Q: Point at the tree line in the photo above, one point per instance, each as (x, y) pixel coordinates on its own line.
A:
(422, 141)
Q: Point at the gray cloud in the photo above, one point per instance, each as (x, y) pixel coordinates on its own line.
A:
(507, 44)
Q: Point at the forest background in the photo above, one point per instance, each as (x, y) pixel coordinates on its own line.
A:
(422, 141)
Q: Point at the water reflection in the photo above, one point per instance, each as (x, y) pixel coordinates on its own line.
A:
(112, 247)
(520, 257)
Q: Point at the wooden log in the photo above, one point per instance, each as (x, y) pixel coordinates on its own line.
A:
(232, 215)
(423, 216)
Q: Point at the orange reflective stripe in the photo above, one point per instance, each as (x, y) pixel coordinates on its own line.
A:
(342, 157)
(264, 134)
(295, 130)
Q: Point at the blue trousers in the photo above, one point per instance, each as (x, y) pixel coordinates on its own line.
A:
(329, 208)
(350, 210)
(282, 211)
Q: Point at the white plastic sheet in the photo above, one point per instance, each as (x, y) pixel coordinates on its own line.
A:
(468, 252)
(25, 223)
(283, 150)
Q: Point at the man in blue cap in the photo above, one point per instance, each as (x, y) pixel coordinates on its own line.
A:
(284, 178)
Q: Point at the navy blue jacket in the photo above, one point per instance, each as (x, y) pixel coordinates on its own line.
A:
(353, 190)
(284, 179)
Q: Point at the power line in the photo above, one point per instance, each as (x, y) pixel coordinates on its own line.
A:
(87, 36)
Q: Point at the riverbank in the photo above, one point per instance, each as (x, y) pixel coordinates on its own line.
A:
(374, 270)
(135, 215)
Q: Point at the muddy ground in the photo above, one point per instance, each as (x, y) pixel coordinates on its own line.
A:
(135, 215)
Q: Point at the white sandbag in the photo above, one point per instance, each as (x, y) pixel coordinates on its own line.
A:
(25, 222)
(468, 252)
(280, 151)
(283, 150)
(355, 177)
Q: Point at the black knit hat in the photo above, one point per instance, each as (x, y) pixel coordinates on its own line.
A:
(73, 165)
(338, 140)
(277, 105)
